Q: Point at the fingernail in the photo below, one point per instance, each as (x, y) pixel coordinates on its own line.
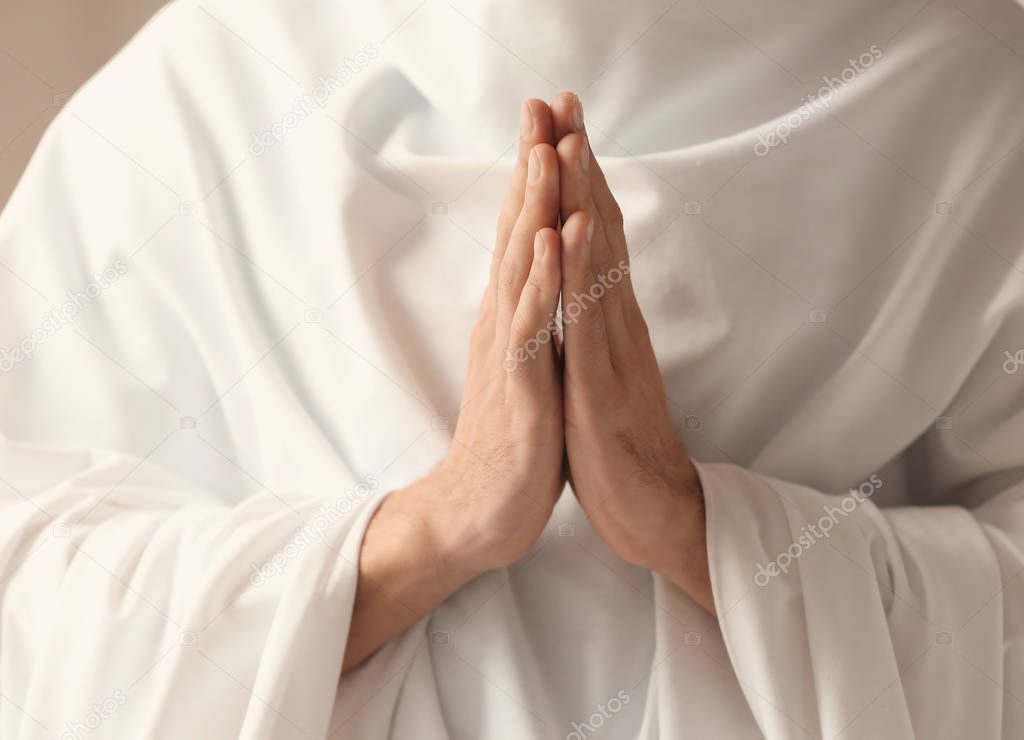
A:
(525, 121)
(585, 154)
(590, 230)
(577, 114)
(539, 246)
(533, 168)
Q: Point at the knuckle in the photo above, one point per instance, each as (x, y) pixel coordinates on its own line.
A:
(568, 148)
(506, 276)
(517, 366)
(536, 289)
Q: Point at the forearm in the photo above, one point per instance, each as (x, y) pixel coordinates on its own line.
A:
(686, 556)
(406, 568)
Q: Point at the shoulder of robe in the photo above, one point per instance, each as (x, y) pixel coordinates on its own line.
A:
(200, 78)
(161, 124)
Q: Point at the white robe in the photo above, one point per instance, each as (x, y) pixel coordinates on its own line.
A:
(271, 331)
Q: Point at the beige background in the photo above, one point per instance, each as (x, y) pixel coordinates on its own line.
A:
(47, 49)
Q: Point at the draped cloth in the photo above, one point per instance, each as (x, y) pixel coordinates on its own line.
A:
(239, 277)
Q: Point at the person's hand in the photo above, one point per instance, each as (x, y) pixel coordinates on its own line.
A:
(504, 472)
(495, 490)
(488, 501)
(628, 468)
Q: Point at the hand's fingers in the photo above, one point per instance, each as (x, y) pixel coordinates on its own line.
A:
(566, 115)
(531, 347)
(574, 163)
(608, 207)
(540, 209)
(615, 237)
(567, 118)
(591, 187)
(574, 160)
(586, 350)
(535, 128)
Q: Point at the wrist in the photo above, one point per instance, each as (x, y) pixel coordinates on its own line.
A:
(405, 572)
(432, 521)
(685, 537)
(474, 526)
(683, 560)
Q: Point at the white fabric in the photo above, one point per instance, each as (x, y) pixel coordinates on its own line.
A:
(282, 331)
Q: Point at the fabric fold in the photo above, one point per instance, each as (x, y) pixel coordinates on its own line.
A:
(844, 619)
(154, 593)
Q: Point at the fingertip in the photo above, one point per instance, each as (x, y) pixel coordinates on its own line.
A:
(547, 244)
(526, 123)
(545, 150)
(534, 168)
(586, 347)
(575, 255)
(570, 105)
(543, 163)
(566, 114)
(565, 99)
(567, 145)
(535, 121)
(537, 106)
(577, 231)
(574, 153)
(540, 247)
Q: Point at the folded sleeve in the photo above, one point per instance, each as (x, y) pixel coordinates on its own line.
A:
(130, 600)
(844, 619)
